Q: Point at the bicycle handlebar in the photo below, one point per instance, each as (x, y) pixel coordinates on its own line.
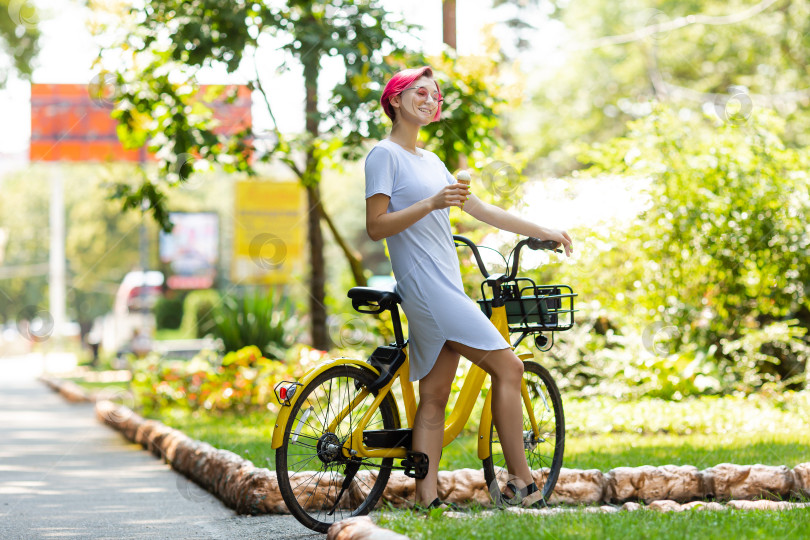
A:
(533, 243)
(464, 240)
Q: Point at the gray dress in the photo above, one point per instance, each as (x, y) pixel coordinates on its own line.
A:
(425, 260)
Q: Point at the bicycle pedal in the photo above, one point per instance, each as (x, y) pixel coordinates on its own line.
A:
(416, 465)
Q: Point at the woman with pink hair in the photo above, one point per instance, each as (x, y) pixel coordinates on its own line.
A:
(409, 192)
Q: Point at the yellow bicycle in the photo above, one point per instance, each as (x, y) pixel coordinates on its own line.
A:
(339, 429)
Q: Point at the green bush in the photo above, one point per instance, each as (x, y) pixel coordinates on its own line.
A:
(241, 381)
(198, 312)
(706, 290)
(263, 319)
(169, 313)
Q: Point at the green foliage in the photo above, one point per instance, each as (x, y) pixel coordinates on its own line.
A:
(19, 38)
(764, 412)
(198, 312)
(101, 244)
(705, 290)
(587, 360)
(596, 88)
(156, 90)
(241, 381)
(256, 317)
(169, 312)
(152, 100)
(725, 238)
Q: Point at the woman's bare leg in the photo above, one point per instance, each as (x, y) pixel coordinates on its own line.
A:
(506, 371)
(428, 427)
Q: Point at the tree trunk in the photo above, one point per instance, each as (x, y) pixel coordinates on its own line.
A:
(449, 22)
(317, 276)
(449, 38)
(311, 180)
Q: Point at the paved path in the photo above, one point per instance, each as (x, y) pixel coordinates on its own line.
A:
(65, 475)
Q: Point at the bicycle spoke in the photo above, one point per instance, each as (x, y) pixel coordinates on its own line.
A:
(333, 397)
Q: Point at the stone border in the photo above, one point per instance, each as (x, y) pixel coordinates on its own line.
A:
(248, 489)
(361, 528)
(238, 483)
(68, 389)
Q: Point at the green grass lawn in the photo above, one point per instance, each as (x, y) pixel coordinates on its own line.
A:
(605, 452)
(701, 432)
(601, 434)
(247, 435)
(94, 386)
(725, 525)
(743, 442)
(170, 334)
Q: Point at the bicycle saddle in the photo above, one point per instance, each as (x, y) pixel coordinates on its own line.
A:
(366, 296)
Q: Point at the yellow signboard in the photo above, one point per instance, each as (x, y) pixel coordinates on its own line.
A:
(269, 225)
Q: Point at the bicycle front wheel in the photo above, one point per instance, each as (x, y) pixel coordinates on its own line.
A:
(311, 464)
(544, 450)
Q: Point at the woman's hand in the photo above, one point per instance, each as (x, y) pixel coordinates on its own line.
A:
(561, 237)
(452, 195)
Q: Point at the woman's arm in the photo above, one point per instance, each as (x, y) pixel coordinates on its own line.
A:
(497, 217)
(382, 224)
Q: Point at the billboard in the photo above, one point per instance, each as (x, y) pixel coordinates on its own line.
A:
(269, 225)
(190, 253)
(70, 124)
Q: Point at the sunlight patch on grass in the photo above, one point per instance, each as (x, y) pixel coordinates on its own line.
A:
(640, 524)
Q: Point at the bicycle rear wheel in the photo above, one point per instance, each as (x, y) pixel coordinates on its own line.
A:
(310, 463)
(543, 452)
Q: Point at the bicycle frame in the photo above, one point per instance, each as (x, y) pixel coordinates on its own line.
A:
(462, 409)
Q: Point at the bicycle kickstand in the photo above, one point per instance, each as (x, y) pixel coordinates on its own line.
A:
(351, 469)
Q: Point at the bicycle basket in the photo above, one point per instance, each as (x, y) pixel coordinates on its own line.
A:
(535, 308)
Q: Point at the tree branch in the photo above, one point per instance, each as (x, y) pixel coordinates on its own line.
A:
(260, 87)
(354, 258)
(675, 24)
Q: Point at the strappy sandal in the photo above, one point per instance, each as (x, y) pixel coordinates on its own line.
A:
(436, 504)
(528, 497)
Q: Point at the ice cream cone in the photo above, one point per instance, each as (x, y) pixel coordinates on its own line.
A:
(463, 177)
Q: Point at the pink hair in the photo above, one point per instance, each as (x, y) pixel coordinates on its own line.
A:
(402, 81)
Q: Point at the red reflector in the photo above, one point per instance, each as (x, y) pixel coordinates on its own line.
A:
(282, 392)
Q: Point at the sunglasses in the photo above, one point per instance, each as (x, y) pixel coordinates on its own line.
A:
(423, 93)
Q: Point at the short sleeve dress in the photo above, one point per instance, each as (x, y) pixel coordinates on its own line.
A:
(425, 260)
